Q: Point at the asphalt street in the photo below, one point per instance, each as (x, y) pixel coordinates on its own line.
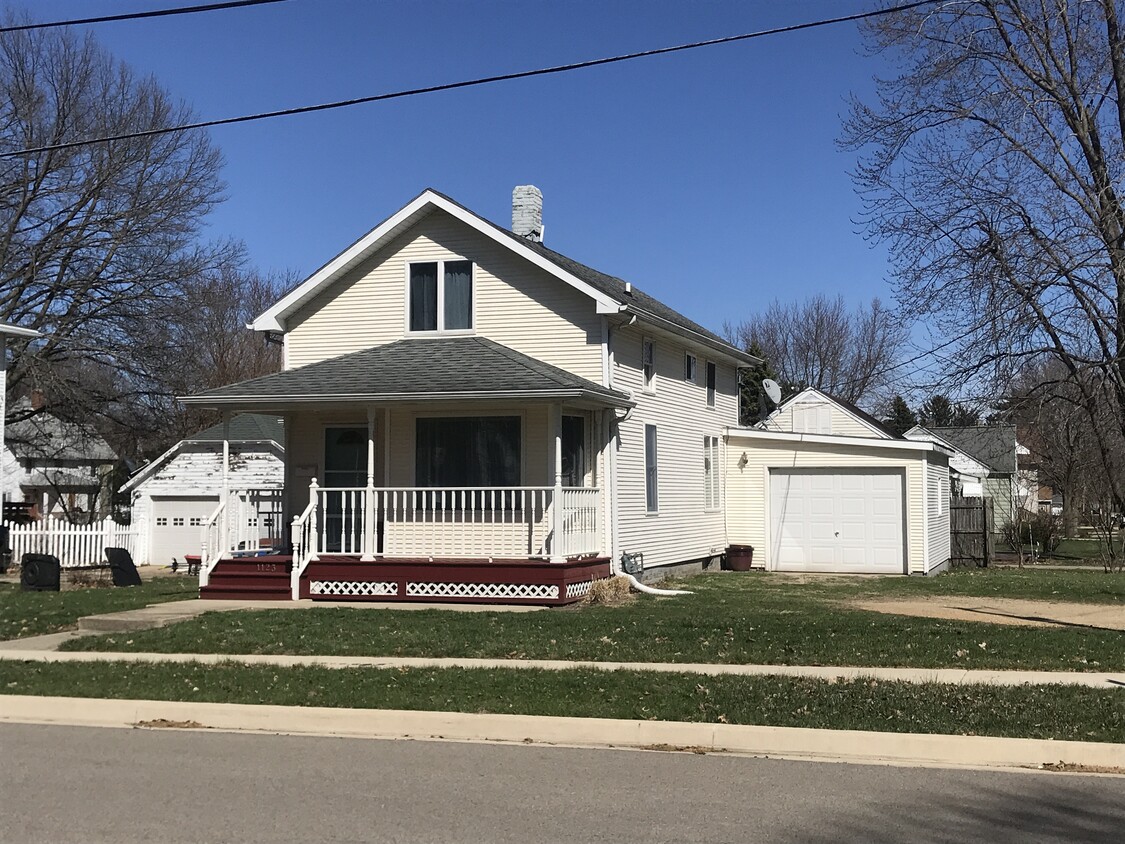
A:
(62, 784)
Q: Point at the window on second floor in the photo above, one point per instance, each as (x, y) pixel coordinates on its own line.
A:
(648, 364)
(689, 367)
(441, 296)
(712, 377)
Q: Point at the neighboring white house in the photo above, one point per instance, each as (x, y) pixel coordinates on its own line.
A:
(174, 495)
(966, 472)
(822, 486)
(486, 419)
(60, 469)
(1013, 490)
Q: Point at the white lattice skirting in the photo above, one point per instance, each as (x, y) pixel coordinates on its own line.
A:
(579, 590)
(353, 588)
(525, 591)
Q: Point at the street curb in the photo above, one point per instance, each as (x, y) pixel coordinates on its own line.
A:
(787, 742)
(955, 676)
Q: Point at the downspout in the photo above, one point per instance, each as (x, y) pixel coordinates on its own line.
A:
(614, 560)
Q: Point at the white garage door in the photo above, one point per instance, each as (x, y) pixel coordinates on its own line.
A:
(833, 520)
(177, 524)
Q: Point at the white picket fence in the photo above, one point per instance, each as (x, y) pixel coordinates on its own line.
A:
(74, 545)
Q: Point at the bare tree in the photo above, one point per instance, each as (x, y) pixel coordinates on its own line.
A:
(992, 164)
(821, 343)
(97, 241)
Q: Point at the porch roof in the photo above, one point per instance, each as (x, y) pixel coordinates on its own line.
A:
(416, 369)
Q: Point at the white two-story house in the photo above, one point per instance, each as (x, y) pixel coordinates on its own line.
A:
(470, 415)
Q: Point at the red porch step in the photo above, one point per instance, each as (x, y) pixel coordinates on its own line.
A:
(250, 579)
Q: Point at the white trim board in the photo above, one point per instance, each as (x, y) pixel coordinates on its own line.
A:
(830, 439)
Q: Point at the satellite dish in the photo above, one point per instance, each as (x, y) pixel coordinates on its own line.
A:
(773, 390)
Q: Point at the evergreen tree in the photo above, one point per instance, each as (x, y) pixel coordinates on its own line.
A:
(900, 418)
(751, 396)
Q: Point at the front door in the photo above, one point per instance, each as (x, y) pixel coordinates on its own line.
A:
(345, 467)
(573, 451)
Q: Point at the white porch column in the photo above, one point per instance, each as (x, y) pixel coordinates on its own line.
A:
(557, 555)
(224, 528)
(369, 495)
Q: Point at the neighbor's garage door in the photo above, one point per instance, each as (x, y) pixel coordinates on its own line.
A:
(832, 520)
(177, 525)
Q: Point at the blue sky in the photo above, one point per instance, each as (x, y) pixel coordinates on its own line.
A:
(710, 178)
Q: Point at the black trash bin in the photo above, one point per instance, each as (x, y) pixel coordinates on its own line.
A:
(740, 557)
(5, 550)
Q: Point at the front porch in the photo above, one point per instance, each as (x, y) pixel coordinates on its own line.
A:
(540, 545)
(430, 468)
(338, 577)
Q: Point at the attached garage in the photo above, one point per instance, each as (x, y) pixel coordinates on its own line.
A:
(861, 501)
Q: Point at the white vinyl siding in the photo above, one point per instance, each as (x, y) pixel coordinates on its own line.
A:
(937, 515)
(682, 531)
(747, 486)
(817, 416)
(515, 303)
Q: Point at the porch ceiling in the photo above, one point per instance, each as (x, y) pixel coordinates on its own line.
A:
(416, 370)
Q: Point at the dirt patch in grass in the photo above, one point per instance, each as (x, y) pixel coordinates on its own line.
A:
(1002, 611)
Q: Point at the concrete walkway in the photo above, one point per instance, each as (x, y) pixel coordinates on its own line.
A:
(956, 676)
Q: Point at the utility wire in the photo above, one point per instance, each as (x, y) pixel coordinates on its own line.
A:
(132, 16)
(485, 80)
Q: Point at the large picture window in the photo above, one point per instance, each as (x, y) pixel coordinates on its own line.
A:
(467, 451)
(441, 296)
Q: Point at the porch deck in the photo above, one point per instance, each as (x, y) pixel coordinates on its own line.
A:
(336, 577)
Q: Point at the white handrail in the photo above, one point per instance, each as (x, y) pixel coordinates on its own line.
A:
(210, 540)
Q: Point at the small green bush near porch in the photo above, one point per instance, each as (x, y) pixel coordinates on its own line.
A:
(730, 618)
(1049, 712)
(25, 614)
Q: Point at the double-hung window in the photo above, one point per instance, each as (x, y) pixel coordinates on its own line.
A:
(648, 364)
(712, 377)
(651, 499)
(710, 473)
(441, 296)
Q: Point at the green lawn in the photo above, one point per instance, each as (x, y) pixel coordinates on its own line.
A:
(730, 618)
(33, 613)
(1055, 712)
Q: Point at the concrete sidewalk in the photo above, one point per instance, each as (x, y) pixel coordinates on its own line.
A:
(784, 742)
(955, 676)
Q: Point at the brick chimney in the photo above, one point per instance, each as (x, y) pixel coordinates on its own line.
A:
(527, 212)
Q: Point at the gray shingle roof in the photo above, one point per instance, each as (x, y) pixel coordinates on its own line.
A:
(44, 436)
(992, 445)
(245, 428)
(418, 368)
(608, 284)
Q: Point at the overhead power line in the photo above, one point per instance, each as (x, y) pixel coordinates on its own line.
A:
(469, 83)
(132, 16)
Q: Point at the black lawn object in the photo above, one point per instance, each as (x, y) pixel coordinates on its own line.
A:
(39, 573)
(122, 568)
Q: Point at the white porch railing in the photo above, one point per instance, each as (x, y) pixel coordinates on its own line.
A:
(462, 522)
(74, 545)
(250, 520)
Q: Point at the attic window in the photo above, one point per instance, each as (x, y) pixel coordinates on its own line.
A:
(441, 296)
(812, 419)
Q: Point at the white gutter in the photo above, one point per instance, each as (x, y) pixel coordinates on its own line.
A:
(827, 439)
(381, 398)
(674, 327)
